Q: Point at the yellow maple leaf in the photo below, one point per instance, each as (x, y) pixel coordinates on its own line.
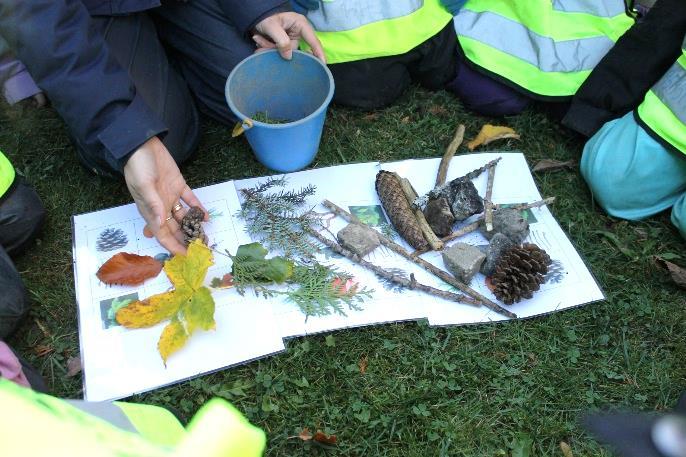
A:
(489, 133)
(189, 305)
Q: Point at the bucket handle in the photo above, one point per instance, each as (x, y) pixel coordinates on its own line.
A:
(241, 127)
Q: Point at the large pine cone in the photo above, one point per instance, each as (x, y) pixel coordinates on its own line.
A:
(191, 225)
(519, 273)
(398, 209)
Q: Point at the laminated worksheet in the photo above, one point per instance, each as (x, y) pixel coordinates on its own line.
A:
(118, 362)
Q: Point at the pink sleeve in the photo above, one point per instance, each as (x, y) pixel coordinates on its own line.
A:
(10, 368)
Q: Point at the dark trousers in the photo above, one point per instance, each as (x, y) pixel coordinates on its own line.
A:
(177, 55)
(375, 83)
(21, 217)
(483, 94)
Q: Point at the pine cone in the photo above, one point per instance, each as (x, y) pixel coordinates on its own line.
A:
(111, 239)
(398, 209)
(519, 273)
(191, 225)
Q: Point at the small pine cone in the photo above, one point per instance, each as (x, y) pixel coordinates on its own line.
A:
(191, 225)
(398, 209)
(519, 273)
(111, 239)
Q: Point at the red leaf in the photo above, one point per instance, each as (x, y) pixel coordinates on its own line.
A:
(128, 269)
(323, 438)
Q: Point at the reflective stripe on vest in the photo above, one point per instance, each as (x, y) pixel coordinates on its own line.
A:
(6, 174)
(547, 49)
(596, 8)
(664, 108)
(353, 30)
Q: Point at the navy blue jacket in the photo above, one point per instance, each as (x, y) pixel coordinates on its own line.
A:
(71, 63)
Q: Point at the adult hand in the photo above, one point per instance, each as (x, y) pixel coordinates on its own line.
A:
(283, 31)
(156, 185)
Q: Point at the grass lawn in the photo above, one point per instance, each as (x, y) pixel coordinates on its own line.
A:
(515, 388)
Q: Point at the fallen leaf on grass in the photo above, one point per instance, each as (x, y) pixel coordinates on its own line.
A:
(363, 364)
(189, 305)
(42, 350)
(305, 435)
(438, 110)
(128, 269)
(405, 120)
(370, 117)
(566, 449)
(321, 437)
(490, 133)
(553, 165)
(678, 273)
(73, 366)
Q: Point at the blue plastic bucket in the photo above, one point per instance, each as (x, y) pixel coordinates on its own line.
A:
(297, 90)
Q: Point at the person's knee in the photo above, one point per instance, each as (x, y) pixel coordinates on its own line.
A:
(370, 83)
(606, 175)
(679, 215)
(630, 174)
(21, 218)
(484, 95)
(14, 303)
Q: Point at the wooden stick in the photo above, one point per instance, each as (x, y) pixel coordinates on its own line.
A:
(523, 206)
(488, 210)
(400, 280)
(448, 155)
(398, 249)
(475, 225)
(410, 194)
(456, 234)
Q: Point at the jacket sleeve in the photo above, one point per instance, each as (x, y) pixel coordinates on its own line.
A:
(637, 61)
(246, 14)
(70, 62)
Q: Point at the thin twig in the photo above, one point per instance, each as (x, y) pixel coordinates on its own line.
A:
(398, 249)
(398, 279)
(477, 222)
(488, 210)
(475, 173)
(427, 231)
(453, 236)
(448, 155)
(523, 206)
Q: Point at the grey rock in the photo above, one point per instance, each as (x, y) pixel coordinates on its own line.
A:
(510, 223)
(439, 216)
(463, 260)
(496, 248)
(464, 200)
(359, 239)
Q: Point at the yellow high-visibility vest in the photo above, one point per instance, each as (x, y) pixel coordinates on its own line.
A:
(351, 30)
(545, 48)
(663, 111)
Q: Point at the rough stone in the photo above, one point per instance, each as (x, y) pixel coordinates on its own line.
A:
(439, 216)
(359, 239)
(465, 199)
(463, 261)
(510, 223)
(496, 248)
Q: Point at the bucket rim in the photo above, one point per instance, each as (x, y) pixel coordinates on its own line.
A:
(242, 117)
